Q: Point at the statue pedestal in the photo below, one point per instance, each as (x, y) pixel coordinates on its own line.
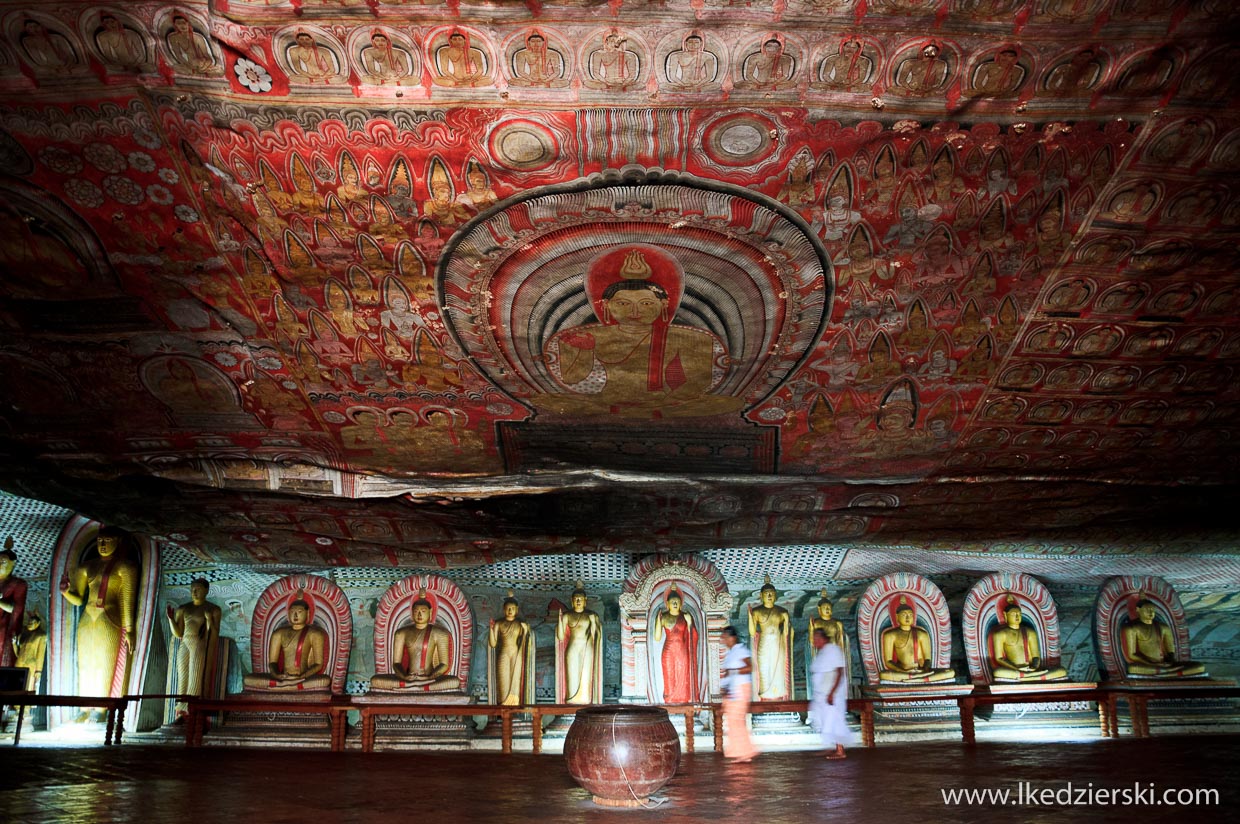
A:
(1191, 704)
(945, 690)
(1027, 687)
(420, 732)
(560, 724)
(918, 711)
(272, 728)
(522, 729)
(776, 721)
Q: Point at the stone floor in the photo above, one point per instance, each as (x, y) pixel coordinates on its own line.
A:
(897, 782)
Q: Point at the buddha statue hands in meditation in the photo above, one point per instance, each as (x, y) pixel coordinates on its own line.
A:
(1148, 646)
(296, 654)
(1015, 654)
(907, 651)
(421, 655)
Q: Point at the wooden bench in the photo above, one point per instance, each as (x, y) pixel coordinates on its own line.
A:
(1139, 697)
(114, 707)
(539, 710)
(337, 709)
(1106, 699)
(371, 711)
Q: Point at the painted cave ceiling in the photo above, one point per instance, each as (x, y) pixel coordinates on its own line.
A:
(370, 282)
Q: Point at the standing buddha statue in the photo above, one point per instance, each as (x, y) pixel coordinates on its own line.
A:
(770, 632)
(511, 658)
(833, 627)
(674, 627)
(579, 659)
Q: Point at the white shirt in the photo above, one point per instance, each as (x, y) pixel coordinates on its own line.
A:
(826, 661)
(735, 660)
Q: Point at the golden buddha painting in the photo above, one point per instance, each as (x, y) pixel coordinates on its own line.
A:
(602, 320)
(635, 361)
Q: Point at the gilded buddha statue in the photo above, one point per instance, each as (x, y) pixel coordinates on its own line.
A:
(421, 655)
(833, 627)
(1148, 646)
(579, 638)
(511, 652)
(106, 587)
(197, 625)
(296, 654)
(907, 651)
(1015, 652)
(770, 631)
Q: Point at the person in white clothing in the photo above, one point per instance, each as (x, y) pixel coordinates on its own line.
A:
(830, 701)
(737, 686)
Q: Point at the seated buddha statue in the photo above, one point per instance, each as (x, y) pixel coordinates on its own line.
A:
(1015, 654)
(907, 650)
(421, 656)
(296, 653)
(1148, 646)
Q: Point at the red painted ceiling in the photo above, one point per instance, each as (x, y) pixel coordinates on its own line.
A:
(323, 282)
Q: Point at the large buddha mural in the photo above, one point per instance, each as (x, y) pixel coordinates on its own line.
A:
(633, 360)
(607, 308)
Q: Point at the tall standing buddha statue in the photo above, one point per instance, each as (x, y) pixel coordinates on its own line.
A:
(674, 627)
(106, 587)
(770, 632)
(511, 654)
(579, 659)
(197, 626)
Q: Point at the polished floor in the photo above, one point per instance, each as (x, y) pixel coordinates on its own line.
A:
(895, 782)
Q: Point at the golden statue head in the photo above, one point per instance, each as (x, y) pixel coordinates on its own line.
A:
(198, 590)
(825, 607)
(421, 609)
(1147, 610)
(905, 615)
(299, 611)
(768, 594)
(108, 541)
(511, 607)
(1011, 611)
(675, 601)
(578, 597)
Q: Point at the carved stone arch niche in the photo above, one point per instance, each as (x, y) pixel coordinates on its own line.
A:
(706, 600)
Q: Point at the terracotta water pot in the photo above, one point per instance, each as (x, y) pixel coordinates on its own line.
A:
(622, 754)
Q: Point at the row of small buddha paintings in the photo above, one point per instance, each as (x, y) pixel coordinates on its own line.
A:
(608, 59)
(672, 616)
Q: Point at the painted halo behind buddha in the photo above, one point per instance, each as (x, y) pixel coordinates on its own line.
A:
(1011, 631)
(423, 631)
(300, 638)
(904, 631)
(1142, 632)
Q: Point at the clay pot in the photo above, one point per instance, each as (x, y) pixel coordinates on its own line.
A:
(622, 754)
